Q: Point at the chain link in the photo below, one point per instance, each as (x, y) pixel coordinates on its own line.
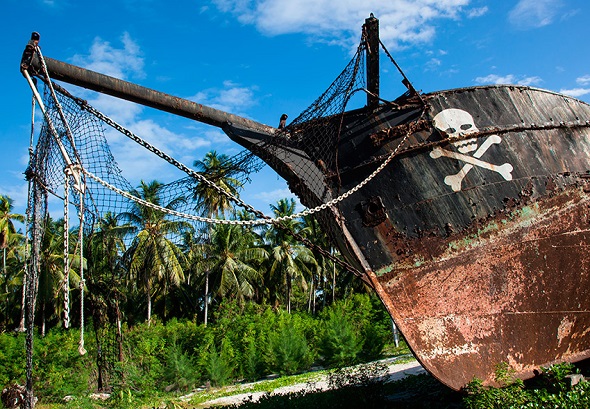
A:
(263, 219)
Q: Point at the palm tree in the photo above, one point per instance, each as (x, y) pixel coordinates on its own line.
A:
(51, 274)
(289, 259)
(210, 202)
(14, 275)
(219, 170)
(326, 269)
(194, 249)
(152, 257)
(107, 245)
(234, 261)
(7, 229)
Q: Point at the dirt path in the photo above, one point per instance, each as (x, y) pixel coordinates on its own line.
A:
(395, 371)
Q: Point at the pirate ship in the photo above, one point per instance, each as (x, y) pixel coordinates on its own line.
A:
(467, 210)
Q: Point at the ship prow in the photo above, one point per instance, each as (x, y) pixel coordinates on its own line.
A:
(467, 210)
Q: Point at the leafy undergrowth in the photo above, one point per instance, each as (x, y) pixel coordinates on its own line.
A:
(558, 386)
(364, 389)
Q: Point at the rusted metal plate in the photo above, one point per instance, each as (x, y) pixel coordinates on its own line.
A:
(514, 290)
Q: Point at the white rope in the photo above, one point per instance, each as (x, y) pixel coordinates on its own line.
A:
(66, 237)
(81, 348)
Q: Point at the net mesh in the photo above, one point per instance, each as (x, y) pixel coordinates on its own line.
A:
(72, 144)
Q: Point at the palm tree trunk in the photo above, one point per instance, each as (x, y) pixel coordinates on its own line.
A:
(206, 295)
(314, 297)
(21, 325)
(149, 307)
(309, 298)
(333, 282)
(289, 293)
(43, 319)
(5, 286)
(119, 332)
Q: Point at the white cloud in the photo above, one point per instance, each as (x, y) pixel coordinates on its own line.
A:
(19, 195)
(529, 81)
(135, 161)
(575, 92)
(584, 80)
(508, 79)
(477, 12)
(273, 196)
(116, 62)
(433, 64)
(534, 13)
(401, 21)
(230, 98)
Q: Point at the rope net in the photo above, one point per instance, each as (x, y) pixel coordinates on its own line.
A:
(72, 145)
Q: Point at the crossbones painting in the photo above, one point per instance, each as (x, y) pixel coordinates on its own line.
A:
(457, 123)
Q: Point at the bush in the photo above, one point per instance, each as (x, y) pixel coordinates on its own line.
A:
(551, 390)
(289, 352)
(340, 341)
(218, 362)
(143, 368)
(12, 359)
(354, 330)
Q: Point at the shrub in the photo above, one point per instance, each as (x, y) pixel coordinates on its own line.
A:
(354, 330)
(551, 390)
(288, 351)
(340, 342)
(218, 362)
(12, 358)
(143, 366)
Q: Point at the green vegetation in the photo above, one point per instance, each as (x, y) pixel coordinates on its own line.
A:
(552, 389)
(165, 360)
(172, 307)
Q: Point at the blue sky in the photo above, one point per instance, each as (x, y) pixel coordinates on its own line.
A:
(262, 58)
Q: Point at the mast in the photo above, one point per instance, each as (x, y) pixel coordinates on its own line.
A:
(372, 41)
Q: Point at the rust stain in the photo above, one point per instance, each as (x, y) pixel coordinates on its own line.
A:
(483, 296)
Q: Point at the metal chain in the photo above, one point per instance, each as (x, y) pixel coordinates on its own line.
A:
(83, 104)
(267, 220)
(263, 218)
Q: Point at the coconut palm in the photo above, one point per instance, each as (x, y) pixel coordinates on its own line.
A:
(7, 228)
(234, 261)
(107, 245)
(152, 257)
(326, 272)
(219, 170)
(289, 260)
(210, 202)
(14, 257)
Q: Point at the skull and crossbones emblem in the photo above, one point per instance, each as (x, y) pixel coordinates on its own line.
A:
(458, 123)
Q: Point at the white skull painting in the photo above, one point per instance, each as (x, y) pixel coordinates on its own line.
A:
(456, 123)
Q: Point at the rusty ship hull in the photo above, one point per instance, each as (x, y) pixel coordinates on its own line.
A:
(474, 235)
(479, 265)
(494, 270)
